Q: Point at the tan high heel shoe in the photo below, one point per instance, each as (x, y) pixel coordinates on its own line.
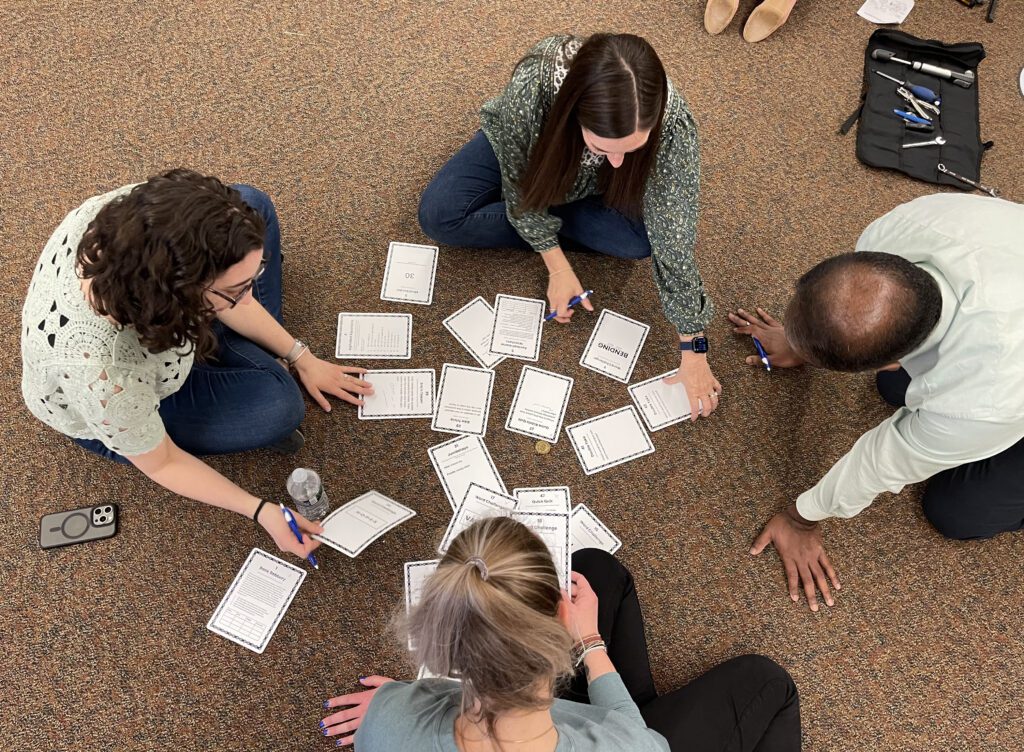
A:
(767, 18)
(718, 14)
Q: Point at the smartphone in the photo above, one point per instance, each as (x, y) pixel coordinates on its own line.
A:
(78, 526)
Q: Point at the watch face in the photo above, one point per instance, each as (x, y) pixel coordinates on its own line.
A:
(700, 344)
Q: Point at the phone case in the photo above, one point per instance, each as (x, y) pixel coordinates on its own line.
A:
(78, 526)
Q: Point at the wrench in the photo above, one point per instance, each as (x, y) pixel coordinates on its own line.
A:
(993, 192)
(937, 141)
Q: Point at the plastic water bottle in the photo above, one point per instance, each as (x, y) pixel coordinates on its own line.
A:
(308, 493)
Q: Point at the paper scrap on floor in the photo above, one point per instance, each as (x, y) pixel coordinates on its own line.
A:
(886, 11)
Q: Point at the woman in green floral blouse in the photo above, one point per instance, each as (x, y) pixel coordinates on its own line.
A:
(589, 147)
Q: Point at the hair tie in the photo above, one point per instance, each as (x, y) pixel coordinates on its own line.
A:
(481, 566)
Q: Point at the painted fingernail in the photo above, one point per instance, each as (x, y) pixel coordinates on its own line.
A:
(324, 731)
(339, 743)
(361, 678)
(322, 724)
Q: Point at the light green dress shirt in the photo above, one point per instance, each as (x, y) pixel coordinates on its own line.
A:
(966, 397)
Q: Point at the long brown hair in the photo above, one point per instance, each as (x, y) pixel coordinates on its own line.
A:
(616, 85)
(151, 254)
(489, 615)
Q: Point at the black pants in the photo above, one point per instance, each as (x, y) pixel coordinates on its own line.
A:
(976, 500)
(747, 704)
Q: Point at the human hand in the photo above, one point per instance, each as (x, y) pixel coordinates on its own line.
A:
(702, 388)
(770, 333)
(273, 521)
(563, 286)
(803, 555)
(580, 608)
(344, 723)
(320, 378)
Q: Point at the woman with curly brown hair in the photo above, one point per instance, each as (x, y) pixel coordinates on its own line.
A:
(152, 333)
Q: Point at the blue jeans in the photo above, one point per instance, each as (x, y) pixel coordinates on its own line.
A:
(463, 206)
(243, 399)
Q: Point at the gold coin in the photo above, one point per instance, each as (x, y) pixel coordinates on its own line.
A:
(542, 447)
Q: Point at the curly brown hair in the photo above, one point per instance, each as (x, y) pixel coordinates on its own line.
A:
(152, 253)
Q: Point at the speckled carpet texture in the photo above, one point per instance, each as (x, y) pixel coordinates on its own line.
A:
(342, 112)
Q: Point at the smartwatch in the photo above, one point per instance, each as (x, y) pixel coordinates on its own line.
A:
(697, 344)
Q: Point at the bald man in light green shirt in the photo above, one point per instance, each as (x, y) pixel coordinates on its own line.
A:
(933, 300)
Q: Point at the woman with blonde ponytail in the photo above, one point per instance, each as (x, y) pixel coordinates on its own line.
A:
(534, 668)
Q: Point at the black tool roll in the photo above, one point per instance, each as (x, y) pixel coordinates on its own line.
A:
(881, 133)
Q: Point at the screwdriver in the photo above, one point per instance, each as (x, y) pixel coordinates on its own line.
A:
(921, 92)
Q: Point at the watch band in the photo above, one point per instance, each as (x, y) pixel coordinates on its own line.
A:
(296, 352)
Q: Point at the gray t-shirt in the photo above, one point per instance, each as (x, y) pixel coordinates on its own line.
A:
(421, 715)
(81, 374)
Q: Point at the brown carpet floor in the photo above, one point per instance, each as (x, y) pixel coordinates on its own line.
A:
(342, 112)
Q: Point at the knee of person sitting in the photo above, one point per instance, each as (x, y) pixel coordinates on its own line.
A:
(257, 199)
(435, 214)
(282, 406)
(763, 668)
(595, 563)
(944, 510)
(640, 248)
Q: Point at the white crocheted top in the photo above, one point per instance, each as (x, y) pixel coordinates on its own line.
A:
(81, 374)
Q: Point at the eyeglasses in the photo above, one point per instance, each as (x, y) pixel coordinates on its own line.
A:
(245, 290)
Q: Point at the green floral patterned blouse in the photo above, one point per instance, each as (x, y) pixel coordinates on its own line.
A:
(513, 122)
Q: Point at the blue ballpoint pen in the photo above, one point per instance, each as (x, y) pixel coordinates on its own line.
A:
(577, 299)
(762, 353)
(298, 534)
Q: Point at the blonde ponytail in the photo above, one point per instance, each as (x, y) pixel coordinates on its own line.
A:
(489, 615)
